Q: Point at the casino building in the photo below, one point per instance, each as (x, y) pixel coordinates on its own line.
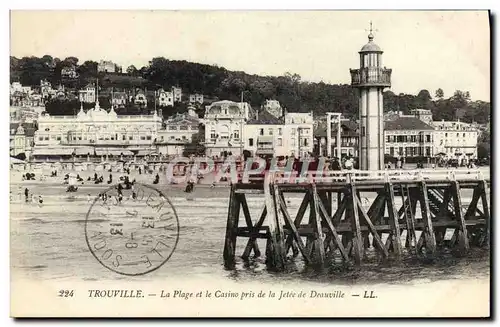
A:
(95, 135)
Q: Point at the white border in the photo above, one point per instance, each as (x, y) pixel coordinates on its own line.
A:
(187, 4)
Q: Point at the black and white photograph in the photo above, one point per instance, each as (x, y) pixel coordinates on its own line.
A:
(213, 163)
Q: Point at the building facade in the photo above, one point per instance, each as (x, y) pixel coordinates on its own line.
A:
(196, 98)
(455, 140)
(22, 138)
(88, 94)
(118, 99)
(408, 137)
(290, 135)
(178, 132)
(96, 133)
(165, 98)
(224, 124)
(106, 66)
(177, 92)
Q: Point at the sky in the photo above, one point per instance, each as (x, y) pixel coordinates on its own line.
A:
(426, 49)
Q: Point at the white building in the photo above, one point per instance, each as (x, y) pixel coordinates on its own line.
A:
(179, 131)
(177, 92)
(96, 133)
(106, 66)
(408, 137)
(88, 94)
(455, 140)
(224, 124)
(165, 98)
(140, 99)
(291, 135)
(21, 138)
(196, 98)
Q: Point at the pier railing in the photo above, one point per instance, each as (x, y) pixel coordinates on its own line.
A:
(346, 176)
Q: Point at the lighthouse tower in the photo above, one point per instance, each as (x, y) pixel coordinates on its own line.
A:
(371, 79)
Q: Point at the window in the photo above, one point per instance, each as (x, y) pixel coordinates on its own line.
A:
(250, 142)
(279, 142)
(183, 128)
(363, 132)
(280, 131)
(270, 131)
(212, 134)
(294, 131)
(388, 138)
(427, 138)
(58, 138)
(236, 134)
(305, 142)
(130, 138)
(445, 134)
(46, 138)
(143, 138)
(184, 137)
(148, 137)
(428, 151)
(400, 151)
(464, 135)
(172, 137)
(391, 151)
(293, 142)
(261, 131)
(458, 134)
(172, 128)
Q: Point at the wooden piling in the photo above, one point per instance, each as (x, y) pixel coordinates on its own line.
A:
(428, 232)
(395, 236)
(463, 239)
(275, 257)
(231, 229)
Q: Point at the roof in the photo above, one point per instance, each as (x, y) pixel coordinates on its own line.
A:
(370, 47)
(408, 123)
(265, 118)
(320, 130)
(16, 161)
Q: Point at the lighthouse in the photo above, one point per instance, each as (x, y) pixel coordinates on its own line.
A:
(370, 79)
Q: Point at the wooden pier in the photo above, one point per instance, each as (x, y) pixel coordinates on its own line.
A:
(342, 224)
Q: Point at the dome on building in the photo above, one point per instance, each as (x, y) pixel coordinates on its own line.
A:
(370, 46)
(81, 114)
(112, 113)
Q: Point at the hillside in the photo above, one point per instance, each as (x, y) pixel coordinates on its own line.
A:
(293, 93)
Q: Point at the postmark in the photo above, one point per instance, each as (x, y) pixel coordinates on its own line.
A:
(134, 234)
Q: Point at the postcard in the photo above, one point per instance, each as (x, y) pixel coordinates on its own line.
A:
(250, 163)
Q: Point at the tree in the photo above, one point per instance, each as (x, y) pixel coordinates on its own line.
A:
(439, 94)
(70, 61)
(131, 70)
(423, 99)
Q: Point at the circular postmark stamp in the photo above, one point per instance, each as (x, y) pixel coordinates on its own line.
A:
(132, 231)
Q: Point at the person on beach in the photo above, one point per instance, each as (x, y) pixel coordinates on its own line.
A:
(89, 198)
(40, 201)
(26, 194)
